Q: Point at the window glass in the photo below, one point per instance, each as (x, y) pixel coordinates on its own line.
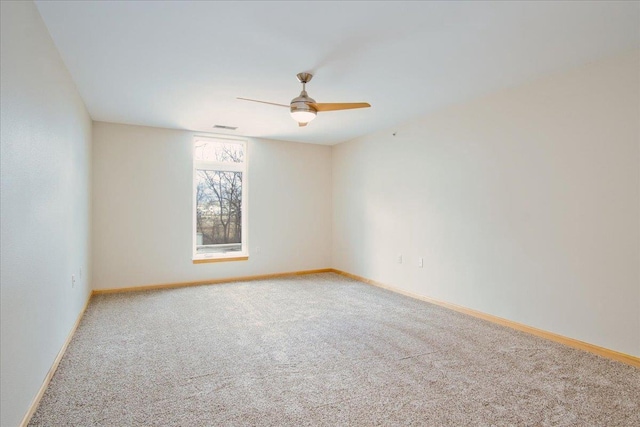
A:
(220, 206)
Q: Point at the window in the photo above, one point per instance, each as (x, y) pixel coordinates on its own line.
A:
(220, 202)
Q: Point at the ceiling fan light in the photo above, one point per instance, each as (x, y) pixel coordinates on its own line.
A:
(302, 116)
(301, 111)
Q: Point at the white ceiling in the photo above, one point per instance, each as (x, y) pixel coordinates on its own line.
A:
(182, 64)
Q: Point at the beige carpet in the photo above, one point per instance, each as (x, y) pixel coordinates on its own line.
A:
(320, 350)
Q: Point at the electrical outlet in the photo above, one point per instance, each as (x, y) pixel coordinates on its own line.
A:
(420, 262)
(73, 280)
(399, 258)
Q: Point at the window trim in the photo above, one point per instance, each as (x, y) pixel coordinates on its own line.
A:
(243, 255)
(219, 259)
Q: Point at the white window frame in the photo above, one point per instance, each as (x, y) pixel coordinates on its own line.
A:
(243, 255)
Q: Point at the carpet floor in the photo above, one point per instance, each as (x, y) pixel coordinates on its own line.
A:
(320, 350)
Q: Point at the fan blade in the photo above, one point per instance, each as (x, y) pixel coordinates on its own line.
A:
(340, 106)
(263, 102)
(302, 124)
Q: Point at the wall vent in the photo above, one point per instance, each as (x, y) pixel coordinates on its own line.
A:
(225, 127)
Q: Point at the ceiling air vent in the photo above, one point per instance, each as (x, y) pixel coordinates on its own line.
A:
(225, 127)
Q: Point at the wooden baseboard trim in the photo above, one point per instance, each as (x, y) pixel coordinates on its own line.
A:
(54, 367)
(210, 281)
(581, 345)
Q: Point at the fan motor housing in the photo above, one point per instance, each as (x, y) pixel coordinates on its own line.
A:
(301, 103)
(301, 110)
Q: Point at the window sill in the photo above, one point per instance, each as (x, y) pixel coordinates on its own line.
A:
(220, 259)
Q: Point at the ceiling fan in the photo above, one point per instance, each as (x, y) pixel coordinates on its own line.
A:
(304, 108)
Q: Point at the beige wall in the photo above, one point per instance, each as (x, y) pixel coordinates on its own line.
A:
(45, 173)
(524, 204)
(142, 208)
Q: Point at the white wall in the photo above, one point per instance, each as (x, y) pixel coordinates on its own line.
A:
(142, 208)
(524, 204)
(45, 201)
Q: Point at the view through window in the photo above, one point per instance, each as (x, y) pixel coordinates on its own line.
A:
(220, 203)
